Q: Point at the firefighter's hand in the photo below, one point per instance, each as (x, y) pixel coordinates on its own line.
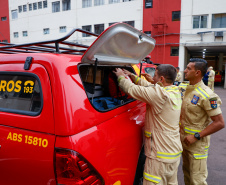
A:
(127, 73)
(148, 77)
(119, 72)
(190, 140)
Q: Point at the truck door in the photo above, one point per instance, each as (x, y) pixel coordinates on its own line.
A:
(27, 126)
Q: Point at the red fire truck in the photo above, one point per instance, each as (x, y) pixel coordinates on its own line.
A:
(56, 124)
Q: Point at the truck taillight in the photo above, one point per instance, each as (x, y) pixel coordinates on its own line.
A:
(72, 169)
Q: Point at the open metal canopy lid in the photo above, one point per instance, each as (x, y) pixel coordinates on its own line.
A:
(120, 44)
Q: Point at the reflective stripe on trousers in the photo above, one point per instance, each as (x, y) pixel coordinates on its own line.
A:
(206, 148)
(200, 156)
(151, 178)
(168, 155)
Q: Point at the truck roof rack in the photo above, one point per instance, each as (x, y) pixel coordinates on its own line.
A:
(46, 47)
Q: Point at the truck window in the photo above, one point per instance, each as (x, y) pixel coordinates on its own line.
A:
(106, 94)
(20, 93)
(150, 71)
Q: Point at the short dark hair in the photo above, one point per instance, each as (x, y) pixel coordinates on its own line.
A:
(168, 71)
(178, 68)
(200, 64)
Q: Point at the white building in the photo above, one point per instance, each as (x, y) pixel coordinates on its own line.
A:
(35, 20)
(203, 32)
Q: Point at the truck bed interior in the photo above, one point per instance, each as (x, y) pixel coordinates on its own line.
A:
(103, 92)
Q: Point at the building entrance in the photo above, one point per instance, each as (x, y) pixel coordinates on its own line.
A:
(214, 55)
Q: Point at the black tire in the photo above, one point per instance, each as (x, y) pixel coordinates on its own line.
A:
(138, 180)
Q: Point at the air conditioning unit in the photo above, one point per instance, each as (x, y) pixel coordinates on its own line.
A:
(218, 33)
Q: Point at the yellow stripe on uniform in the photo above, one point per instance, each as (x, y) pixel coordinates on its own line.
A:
(168, 155)
(175, 89)
(200, 156)
(147, 134)
(172, 90)
(190, 131)
(119, 79)
(206, 148)
(202, 92)
(183, 85)
(152, 178)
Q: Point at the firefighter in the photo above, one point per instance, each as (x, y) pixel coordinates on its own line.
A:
(179, 75)
(163, 147)
(200, 106)
(211, 78)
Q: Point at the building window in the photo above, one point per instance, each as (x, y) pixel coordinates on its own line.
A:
(40, 5)
(30, 7)
(46, 31)
(174, 51)
(98, 2)
(34, 6)
(114, 1)
(24, 8)
(86, 3)
(219, 20)
(176, 16)
(6, 41)
(66, 5)
(24, 33)
(126, 0)
(148, 33)
(20, 9)
(14, 14)
(45, 4)
(56, 6)
(200, 21)
(131, 23)
(16, 34)
(98, 28)
(148, 3)
(3, 18)
(87, 28)
(111, 23)
(63, 29)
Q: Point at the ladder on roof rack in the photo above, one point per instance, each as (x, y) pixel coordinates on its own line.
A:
(44, 46)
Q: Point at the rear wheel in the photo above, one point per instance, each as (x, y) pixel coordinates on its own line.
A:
(138, 180)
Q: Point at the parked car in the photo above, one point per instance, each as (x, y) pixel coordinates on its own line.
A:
(218, 77)
(59, 121)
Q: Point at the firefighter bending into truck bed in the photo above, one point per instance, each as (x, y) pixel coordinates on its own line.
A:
(162, 139)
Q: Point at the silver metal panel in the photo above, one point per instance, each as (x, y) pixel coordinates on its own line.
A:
(120, 44)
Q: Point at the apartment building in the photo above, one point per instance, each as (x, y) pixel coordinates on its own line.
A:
(203, 33)
(36, 20)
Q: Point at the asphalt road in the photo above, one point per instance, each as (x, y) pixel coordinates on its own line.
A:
(217, 152)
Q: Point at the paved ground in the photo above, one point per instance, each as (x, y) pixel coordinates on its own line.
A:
(217, 151)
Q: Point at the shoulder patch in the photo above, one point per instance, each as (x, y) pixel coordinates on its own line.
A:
(213, 102)
(195, 100)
